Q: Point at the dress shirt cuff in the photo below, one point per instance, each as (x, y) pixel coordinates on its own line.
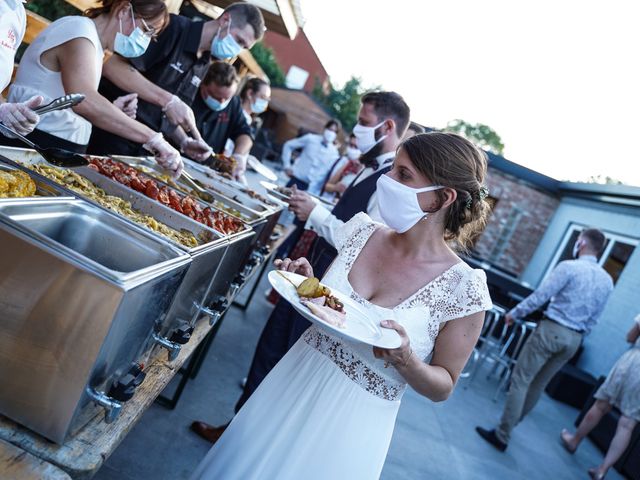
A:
(317, 217)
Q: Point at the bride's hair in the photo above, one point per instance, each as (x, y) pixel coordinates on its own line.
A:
(453, 161)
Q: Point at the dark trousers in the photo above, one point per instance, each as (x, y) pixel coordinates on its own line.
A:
(284, 327)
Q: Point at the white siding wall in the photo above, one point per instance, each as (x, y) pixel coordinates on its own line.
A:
(606, 342)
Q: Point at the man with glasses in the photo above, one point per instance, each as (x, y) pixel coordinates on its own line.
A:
(168, 76)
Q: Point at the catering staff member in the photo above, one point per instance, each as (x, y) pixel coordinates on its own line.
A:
(343, 172)
(13, 23)
(67, 58)
(255, 95)
(168, 76)
(219, 115)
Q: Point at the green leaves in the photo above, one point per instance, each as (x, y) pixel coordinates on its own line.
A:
(267, 61)
(482, 135)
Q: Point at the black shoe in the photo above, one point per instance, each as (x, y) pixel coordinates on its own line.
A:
(490, 436)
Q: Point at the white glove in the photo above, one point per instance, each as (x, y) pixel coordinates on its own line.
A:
(166, 156)
(128, 104)
(179, 113)
(241, 165)
(196, 149)
(20, 116)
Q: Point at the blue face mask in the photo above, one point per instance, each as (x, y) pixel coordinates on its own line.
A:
(133, 45)
(260, 105)
(226, 47)
(214, 104)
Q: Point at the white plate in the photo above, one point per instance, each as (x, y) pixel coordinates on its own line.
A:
(263, 170)
(358, 325)
(271, 190)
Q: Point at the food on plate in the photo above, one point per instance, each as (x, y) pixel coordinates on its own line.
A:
(326, 313)
(185, 204)
(16, 184)
(86, 188)
(318, 298)
(284, 191)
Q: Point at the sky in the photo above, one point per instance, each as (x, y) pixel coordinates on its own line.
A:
(558, 80)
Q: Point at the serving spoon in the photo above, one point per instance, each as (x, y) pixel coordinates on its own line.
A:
(54, 155)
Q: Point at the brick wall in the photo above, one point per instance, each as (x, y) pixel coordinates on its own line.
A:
(517, 224)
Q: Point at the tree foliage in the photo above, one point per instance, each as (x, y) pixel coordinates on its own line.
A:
(482, 135)
(604, 179)
(267, 61)
(343, 103)
(52, 9)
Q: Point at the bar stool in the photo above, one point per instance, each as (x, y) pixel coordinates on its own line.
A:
(492, 337)
(507, 357)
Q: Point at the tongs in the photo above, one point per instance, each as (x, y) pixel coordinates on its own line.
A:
(60, 103)
(202, 193)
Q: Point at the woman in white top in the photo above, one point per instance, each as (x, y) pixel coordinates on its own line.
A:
(328, 408)
(67, 57)
(17, 116)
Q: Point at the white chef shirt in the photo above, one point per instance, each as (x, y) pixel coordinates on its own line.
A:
(315, 161)
(13, 24)
(326, 224)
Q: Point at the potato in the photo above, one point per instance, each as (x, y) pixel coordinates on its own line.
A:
(310, 288)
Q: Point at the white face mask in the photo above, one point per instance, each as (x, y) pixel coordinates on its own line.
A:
(329, 135)
(353, 153)
(398, 204)
(366, 136)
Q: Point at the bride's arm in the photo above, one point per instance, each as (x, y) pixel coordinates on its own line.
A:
(452, 349)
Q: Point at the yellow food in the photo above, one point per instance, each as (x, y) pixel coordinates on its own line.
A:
(86, 188)
(15, 184)
(309, 288)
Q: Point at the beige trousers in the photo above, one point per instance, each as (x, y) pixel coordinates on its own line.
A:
(545, 352)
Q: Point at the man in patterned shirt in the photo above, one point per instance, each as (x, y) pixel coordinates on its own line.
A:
(577, 291)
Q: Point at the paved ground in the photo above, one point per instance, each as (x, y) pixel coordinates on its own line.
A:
(431, 441)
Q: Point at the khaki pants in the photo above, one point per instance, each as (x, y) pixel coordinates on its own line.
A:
(545, 352)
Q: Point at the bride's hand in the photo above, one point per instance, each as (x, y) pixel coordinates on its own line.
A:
(398, 357)
(300, 266)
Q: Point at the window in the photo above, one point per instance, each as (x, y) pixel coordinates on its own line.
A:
(615, 255)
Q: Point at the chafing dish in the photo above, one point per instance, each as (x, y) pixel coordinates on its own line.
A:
(80, 292)
(43, 189)
(196, 296)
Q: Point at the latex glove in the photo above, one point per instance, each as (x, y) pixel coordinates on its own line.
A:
(241, 165)
(179, 113)
(166, 156)
(20, 116)
(128, 104)
(196, 149)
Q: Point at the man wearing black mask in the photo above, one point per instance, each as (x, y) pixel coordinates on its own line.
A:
(382, 122)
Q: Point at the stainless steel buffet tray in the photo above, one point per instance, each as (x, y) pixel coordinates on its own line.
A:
(80, 290)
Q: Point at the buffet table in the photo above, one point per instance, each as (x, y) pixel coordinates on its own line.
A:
(75, 259)
(83, 454)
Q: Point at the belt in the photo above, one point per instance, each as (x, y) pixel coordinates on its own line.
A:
(563, 325)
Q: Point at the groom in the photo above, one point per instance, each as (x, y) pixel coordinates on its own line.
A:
(382, 122)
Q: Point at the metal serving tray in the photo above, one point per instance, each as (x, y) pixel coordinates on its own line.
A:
(42, 189)
(80, 291)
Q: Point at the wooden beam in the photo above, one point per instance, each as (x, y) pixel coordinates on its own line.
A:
(82, 5)
(35, 25)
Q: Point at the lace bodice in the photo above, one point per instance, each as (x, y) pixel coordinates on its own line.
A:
(458, 292)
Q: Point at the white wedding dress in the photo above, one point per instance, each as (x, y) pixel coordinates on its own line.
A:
(328, 409)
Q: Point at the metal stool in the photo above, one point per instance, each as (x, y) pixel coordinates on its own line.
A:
(492, 336)
(507, 357)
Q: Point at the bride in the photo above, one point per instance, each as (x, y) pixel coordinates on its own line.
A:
(328, 409)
